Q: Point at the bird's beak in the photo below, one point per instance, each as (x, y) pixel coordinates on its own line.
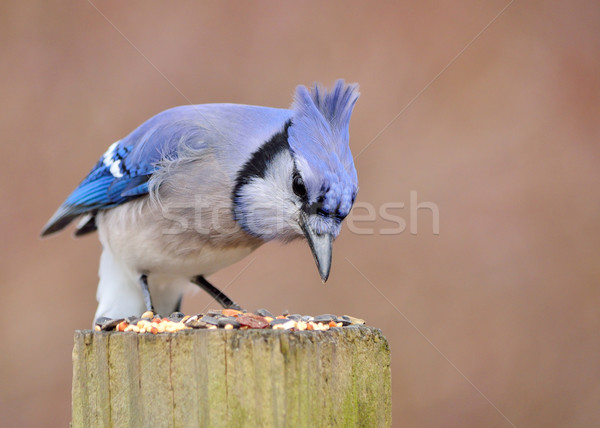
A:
(320, 245)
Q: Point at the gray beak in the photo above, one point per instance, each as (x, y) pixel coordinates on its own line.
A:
(320, 245)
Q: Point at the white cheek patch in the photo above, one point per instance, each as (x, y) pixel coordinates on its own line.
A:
(269, 205)
(111, 163)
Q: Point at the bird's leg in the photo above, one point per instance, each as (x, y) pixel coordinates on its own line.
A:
(215, 293)
(146, 292)
(178, 306)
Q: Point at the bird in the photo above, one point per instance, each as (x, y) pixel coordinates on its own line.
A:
(199, 187)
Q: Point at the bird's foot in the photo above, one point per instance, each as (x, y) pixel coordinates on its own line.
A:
(236, 307)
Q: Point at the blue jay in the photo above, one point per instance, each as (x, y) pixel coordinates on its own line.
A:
(197, 188)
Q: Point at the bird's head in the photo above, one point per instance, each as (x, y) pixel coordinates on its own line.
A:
(303, 182)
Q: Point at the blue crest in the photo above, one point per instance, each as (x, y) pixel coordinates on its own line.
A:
(319, 140)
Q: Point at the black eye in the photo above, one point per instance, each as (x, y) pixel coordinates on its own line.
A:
(298, 186)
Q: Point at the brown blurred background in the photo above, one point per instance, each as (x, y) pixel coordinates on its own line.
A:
(503, 303)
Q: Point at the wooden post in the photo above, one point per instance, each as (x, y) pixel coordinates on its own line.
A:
(216, 378)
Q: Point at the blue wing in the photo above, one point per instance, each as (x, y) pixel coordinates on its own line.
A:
(122, 173)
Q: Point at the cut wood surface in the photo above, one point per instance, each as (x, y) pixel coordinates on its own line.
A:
(215, 378)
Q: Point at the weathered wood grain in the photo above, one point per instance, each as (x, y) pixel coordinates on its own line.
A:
(214, 378)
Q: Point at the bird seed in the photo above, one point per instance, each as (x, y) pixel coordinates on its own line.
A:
(226, 319)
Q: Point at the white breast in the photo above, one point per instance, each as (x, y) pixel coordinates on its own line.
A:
(137, 240)
(145, 241)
